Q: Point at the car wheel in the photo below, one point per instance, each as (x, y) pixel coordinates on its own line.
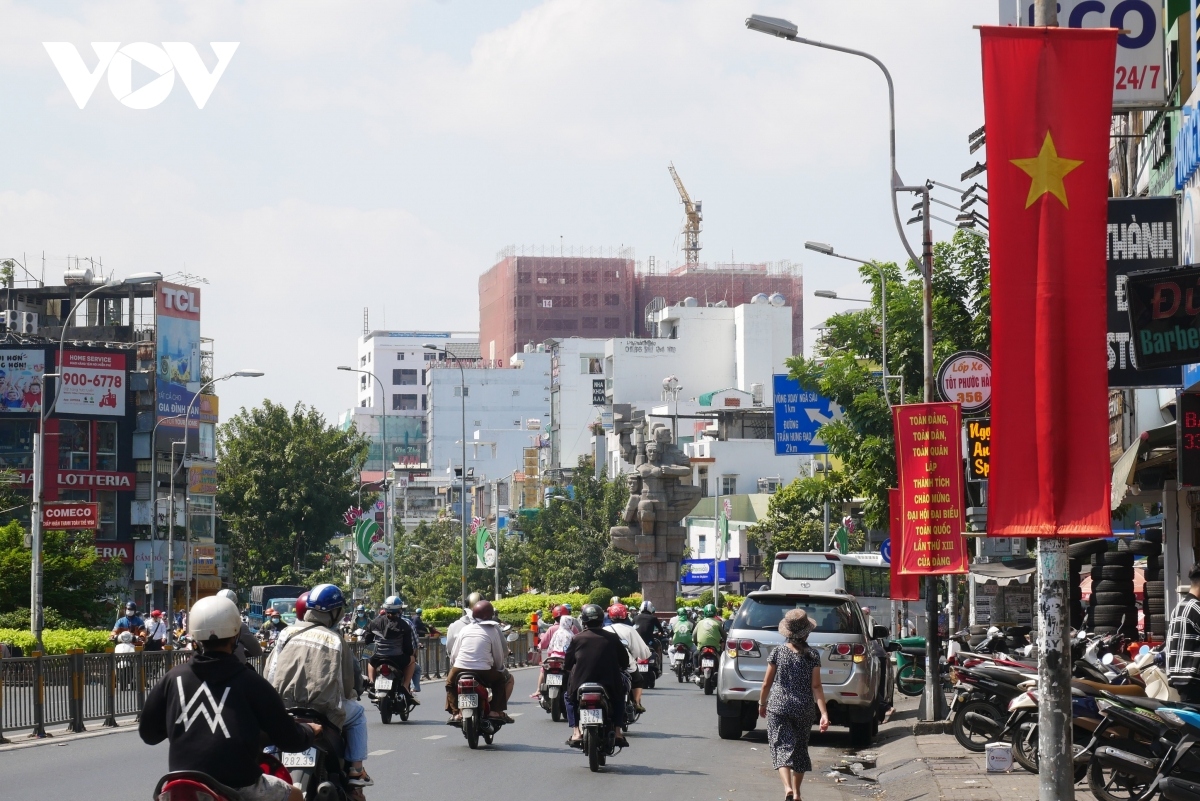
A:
(729, 728)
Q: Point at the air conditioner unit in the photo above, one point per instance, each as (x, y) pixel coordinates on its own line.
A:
(27, 323)
(11, 319)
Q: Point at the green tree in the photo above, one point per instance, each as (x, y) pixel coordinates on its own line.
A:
(846, 368)
(285, 480)
(75, 582)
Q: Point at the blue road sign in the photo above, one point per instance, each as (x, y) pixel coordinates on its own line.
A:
(1191, 375)
(798, 415)
(885, 550)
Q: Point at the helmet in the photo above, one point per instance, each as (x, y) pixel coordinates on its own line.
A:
(418, 612)
(131, 607)
(647, 607)
(301, 605)
(360, 608)
(125, 637)
(567, 607)
(618, 611)
(230, 595)
(326, 598)
(483, 610)
(558, 612)
(392, 603)
(214, 618)
(591, 615)
(616, 599)
(681, 612)
(710, 610)
(274, 613)
(473, 599)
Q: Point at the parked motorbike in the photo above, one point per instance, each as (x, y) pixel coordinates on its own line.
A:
(319, 772)
(680, 663)
(596, 721)
(474, 701)
(551, 689)
(389, 695)
(706, 675)
(980, 707)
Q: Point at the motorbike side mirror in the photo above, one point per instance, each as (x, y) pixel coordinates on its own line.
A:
(1107, 659)
(880, 632)
(893, 647)
(512, 636)
(443, 639)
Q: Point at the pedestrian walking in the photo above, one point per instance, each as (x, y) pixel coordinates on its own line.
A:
(791, 697)
(1183, 642)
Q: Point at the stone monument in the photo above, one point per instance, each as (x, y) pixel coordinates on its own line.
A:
(661, 494)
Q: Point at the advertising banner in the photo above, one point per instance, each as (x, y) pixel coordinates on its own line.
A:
(966, 379)
(1164, 316)
(202, 479)
(929, 465)
(204, 560)
(92, 384)
(70, 515)
(485, 548)
(700, 571)
(177, 317)
(905, 587)
(1142, 235)
(21, 373)
(799, 414)
(1188, 420)
(979, 448)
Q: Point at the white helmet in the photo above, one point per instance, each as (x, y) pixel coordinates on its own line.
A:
(125, 637)
(229, 594)
(214, 618)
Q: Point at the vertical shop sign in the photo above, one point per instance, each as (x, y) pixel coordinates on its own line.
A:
(929, 464)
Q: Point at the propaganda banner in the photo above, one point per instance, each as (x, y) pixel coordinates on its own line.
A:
(905, 586)
(929, 466)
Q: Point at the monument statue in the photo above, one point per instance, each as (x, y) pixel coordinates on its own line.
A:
(661, 494)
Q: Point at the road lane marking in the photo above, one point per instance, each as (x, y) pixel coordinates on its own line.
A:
(381, 752)
(434, 737)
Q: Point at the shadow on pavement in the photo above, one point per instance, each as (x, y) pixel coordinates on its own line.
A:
(647, 770)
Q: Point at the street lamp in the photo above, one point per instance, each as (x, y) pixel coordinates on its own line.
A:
(829, 294)
(388, 530)
(462, 385)
(35, 523)
(827, 250)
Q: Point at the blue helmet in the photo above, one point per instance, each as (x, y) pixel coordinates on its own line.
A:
(326, 598)
(392, 603)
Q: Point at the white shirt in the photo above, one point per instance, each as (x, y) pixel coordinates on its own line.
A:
(479, 646)
(157, 630)
(633, 641)
(455, 628)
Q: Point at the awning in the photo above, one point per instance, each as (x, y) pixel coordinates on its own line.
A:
(1125, 468)
(1004, 573)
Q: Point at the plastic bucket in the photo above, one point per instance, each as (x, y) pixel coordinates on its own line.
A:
(999, 757)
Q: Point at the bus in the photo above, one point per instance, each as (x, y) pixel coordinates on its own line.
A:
(866, 576)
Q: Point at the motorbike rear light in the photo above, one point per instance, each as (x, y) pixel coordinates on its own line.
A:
(590, 699)
(385, 669)
(466, 685)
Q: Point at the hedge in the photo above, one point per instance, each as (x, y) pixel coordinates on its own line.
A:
(517, 609)
(59, 641)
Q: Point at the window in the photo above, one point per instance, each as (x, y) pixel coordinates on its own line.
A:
(74, 445)
(612, 299)
(590, 300)
(591, 364)
(404, 377)
(591, 322)
(424, 403)
(524, 278)
(831, 617)
(703, 482)
(106, 446)
(362, 361)
(806, 571)
(612, 323)
(589, 278)
(424, 380)
(16, 443)
(431, 357)
(523, 301)
(108, 516)
(516, 392)
(404, 403)
(400, 356)
(702, 547)
(362, 382)
(729, 485)
(460, 391)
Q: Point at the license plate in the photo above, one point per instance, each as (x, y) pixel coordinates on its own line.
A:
(677, 657)
(643, 668)
(468, 701)
(553, 679)
(383, 684)
(591, 717)
(304, 759)
(706, 663)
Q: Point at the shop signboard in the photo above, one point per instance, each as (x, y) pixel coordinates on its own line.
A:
(70, 515)
(204, 560)
(799, 415)
(929, 464)
(1139, 77)
(177, 377)
(223, 557)
(979, 448)
(597, 391)
(1164, 316)
(92, 384)
(700, 571)
(21, 373)
(1142, 234)
(1187, 419)
(966, 379)
(202, 479)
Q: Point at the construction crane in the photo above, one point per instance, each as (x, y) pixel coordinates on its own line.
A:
(691, 226)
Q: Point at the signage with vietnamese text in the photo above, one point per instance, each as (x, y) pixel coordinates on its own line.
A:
(70, 515)
(929, 466)
(966, 379)
(92, 383)
(799, 415)
(979, 448)
(202, 479)
(21, 373)
(1188, 421)
(597, 391)
(1164, 316)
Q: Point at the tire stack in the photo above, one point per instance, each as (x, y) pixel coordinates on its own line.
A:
(1112, 587)
(1079, 553)
(1154, 591)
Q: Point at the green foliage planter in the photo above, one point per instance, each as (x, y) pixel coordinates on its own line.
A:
(59, 641)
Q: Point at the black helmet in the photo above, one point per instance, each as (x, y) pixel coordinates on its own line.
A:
(592, 616)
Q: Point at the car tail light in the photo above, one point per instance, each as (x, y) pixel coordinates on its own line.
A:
(858, 649)
(843, 648)
(746, 645)
(590, 700)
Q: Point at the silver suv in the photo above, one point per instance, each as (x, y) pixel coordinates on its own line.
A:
(855, 669)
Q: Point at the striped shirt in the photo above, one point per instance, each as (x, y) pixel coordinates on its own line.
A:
(1183, 643)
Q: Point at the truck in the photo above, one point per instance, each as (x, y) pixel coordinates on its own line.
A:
(280, 597)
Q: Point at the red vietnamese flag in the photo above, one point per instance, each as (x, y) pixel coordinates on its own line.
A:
(1047, 96)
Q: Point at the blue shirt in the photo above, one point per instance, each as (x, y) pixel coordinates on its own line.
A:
(130, 623)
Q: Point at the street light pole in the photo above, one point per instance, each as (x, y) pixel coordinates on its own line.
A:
(388, 531)
(462, 384)
(39, 456)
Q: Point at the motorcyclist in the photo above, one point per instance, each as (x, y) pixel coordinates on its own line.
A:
(480, 649)
(393, 638)
(544, 643)
(213, 710)
(419, 624)
(454, 628)
(618, 613)
(312, 667)
(362, 618)
(596, 655)
(707, 633)
(273, 624)
(681, 631)
(131, 621)
(246, 646)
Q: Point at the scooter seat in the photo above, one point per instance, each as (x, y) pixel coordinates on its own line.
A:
(1096, 688)
(1006, 676)
(194, 777)
(1149, 704)
(913, 651)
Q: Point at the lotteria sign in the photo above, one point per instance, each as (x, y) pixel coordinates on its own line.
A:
(78, 479)
(116, 551)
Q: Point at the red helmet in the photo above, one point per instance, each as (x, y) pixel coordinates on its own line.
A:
(618, 611)
(558, 612)
(301, 605)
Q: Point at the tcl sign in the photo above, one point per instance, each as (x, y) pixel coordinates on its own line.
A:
(120, 551)
(70, 515)
(179, 299)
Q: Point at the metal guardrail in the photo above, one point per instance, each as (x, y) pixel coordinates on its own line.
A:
(76, 688)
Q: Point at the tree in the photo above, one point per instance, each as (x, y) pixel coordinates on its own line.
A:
(285, 480)
(845, 368)
(75, 581)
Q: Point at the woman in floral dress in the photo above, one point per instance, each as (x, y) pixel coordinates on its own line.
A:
(791, 697)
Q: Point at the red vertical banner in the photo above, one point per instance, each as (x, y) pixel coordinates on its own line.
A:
(905, 586)
(1047, 96)
(930, 468)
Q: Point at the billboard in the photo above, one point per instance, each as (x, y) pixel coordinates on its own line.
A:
(202, 479)
(699, 571)
(70, 515)
(21, 374)
(1164, 319)
(92, 384)
(177, 356)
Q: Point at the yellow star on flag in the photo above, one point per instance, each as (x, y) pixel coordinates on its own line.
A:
(1047, 171)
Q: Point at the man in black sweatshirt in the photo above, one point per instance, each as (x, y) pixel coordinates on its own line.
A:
(213, 709)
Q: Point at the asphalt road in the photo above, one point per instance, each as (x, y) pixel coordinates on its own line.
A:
(674, 754)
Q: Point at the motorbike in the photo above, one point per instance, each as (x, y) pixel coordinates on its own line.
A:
(319, 772)
(551, 690)
(474, 702)
(389, 695)
(706, 675)
(1185, 786)
(596, 721)
(645, 667)
(983, 692)
(656, 661)
(680, 662)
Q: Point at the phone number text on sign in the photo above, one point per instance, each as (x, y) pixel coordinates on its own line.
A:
(93, 383)
(93, 378)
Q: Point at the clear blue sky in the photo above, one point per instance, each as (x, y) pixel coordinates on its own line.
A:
(379, 153)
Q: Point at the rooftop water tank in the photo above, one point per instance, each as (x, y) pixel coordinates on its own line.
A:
(778, 299)
(761, 297)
